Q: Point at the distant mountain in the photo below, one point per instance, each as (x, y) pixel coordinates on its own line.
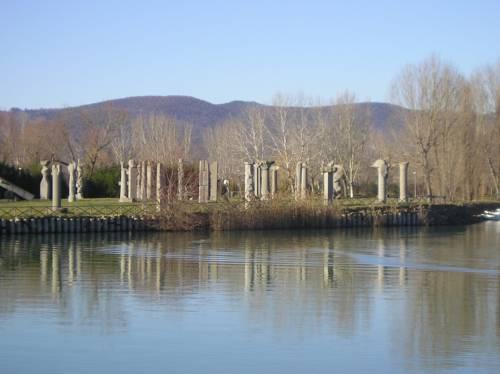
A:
(202, 114)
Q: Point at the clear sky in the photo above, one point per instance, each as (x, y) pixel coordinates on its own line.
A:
(65, 53)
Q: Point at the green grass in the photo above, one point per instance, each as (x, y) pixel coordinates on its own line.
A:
(65, 203)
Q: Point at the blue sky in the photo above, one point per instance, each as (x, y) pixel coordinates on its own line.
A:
(65, 53)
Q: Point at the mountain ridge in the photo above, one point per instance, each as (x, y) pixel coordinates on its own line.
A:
(204, 114)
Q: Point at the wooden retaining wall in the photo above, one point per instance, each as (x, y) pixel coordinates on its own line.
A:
(49, 225)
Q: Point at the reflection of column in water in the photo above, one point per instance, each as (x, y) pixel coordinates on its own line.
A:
(71, 264)
(123, 263)
(158, 268)
(327, 263)
(129, 270)
(148, 263)
(380, 268)
(44, 255)
(402, 260)
(302, 266)
(78, 258)
(142, 261)
(56, 272)
(249, 267)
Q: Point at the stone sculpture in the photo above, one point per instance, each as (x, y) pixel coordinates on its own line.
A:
(338, 179)
(45, 183)
(79, 181)
(123, 183)
(56, 186)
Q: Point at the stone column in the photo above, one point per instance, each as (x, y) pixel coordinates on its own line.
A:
(328, 193)
(274, 180)
(256, 180)
(303, 182)
(143, 180)
(403, 182)
(180, 180)
(298, 183)
(338, 176)
(214, 170)
(249, 188)
(149, 180)
(264, 167)
(159, 189)
(45, 183)
(79, 181)
(71, 181)
(56, 186)
(132, 181)
(123, 183)
(382, 169)
(204, 181)
(138, 181)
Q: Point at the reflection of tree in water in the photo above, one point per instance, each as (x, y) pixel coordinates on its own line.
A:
(306, 282)
(447, 313)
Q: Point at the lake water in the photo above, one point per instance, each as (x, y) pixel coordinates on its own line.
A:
(387, 300)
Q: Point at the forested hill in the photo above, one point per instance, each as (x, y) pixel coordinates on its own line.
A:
(202, 114)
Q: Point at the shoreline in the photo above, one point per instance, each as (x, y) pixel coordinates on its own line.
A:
(258, 217)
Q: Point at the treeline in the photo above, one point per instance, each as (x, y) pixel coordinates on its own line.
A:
(449, 130)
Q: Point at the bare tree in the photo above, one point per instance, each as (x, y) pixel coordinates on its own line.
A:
(348, 136)
(429, 90)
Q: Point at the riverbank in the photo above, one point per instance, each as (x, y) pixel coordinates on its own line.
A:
(259, 216)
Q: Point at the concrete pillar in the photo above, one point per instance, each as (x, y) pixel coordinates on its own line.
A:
(249, 182)
(132, 180)
(56, 186)
(71, 181)
(403, 182)
(303, 182)
(123, 183)
(203, 181)
(149, 180)
(213, 187)
(382, 170)
(45, 183)
(180, 180)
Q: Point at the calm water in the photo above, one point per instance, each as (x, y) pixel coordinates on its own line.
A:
(393, 300)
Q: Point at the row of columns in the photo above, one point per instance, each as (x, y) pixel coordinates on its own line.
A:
(383, 174)
(140, 181)
(52, 189)
(261, 180)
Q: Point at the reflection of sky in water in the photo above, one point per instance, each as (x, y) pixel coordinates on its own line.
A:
(396, 300)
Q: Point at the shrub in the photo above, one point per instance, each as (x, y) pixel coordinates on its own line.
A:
(103, 183)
